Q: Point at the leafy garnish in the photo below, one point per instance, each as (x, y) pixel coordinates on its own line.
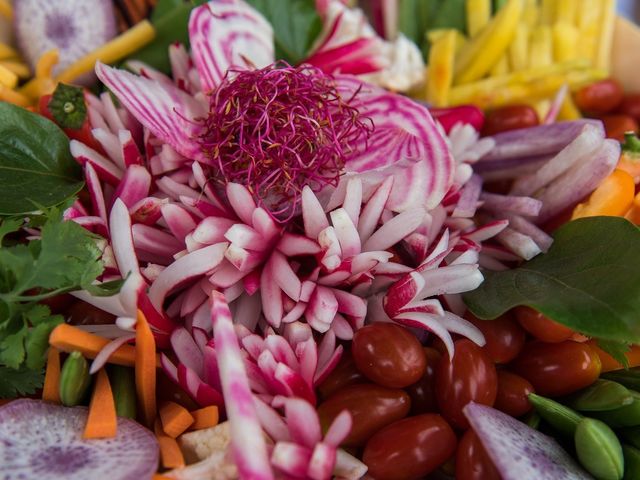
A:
(67, 106)
(631, 143)
(36, 167)
(617, 350)
(296, 24)
(589, 281)
(17, 383)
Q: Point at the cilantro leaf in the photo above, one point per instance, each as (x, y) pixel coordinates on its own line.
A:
(7, 226)
(19, 382)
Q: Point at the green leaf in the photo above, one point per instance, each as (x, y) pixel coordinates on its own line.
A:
(616, 349)
(12, 350)
(589, 281)
(7, 226)
(67, 106)
(171, 25)
(163, 7)
(36, 167)
(296, 24)
(17, 383)
(37, 341)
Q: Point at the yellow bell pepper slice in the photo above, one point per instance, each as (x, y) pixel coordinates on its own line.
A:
(613, 197)
(7, 77)
(548, 12)
(7, 52)
(501, 67)
(434, 35)
(46, 62)
(519, 48)
(540, 47)
(605, 40)
(566, 11)
(569, 110)
(441, 58)
(565, 42)
(478, 15)
(482, 53)
(588, 23)
(531, 13)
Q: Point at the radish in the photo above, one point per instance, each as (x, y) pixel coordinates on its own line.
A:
(40, 440)
(74, 27)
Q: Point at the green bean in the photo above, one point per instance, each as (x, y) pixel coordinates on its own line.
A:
(599, 450)
(74, 380)
(562, 418)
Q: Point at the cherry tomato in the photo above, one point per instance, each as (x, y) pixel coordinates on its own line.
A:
(541, 326)
(630, 106)
(343, 375)
(616, 125)
(388, 354)
(513, 391)
(371, 407)
(556, 369)
(410, 448)
(599, 97)
(504, 337)
(512, 117)
(422, 393)
(469, 376)
(472, 461)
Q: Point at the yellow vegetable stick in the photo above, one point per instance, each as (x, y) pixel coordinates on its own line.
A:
(7, 77)
(542, 108)
(589, 25)
(548, 12)
(7, 52)
(22, 70)
(531, 13)
(568, 110)
(565, 42)
(440, 78)
(478, 15)
(603, 52)
(11, 96)
(433, 35)
(6, 10)
(37, 87)
(519, 48)
(117, 49)
(540, 47)
(566, 11)
(501, 67)
(46, 62)
(481, 54)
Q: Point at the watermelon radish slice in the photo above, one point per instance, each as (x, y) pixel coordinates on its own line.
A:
(44, 441)
(518, 451)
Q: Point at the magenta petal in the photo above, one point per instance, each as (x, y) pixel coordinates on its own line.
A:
(271, 295)
(339, 429)
(228, 34)
(322, 308)
(322, 462)
(134, 185)
(122, 240)
(303, 423)
(291, 459)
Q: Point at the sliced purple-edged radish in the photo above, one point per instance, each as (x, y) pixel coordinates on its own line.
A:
(518, 451)
(44, 441)
(103, 356)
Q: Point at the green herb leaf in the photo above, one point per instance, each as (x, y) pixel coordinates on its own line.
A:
(16, 383)
(616, 349)
(171, 23)
(589, 281)
(631, 143)
(67, 106)
(296, 24)
(36, 167)
(7, 226)
(163, 7)
(37, 340)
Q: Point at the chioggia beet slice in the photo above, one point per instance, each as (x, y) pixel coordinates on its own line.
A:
(518, 451)
(44, 441)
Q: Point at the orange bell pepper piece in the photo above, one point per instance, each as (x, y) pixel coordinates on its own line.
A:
(630, 158)
(633, 215)
(612, 198)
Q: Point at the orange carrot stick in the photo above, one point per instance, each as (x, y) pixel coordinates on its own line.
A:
(145, 369)
(170, 453)
(175, 418)
(51, 389)
(68, 338)
(157, 476)
(102, 421)
(609, 363)
(204, 418)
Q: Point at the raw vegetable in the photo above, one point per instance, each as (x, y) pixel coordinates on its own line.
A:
(74, 380)
(170, 453)
(51, 387)
(630, 158)
(206, 417)
(599, 450)
(145, 365)
(560, 282)
(132, 455)
(123, 385)
(613, 197)
(175, 418)
(102, 421)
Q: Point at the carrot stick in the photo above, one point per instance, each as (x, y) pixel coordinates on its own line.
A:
(102, 421)
(609, 363)
(145, 369)
(204, 418)
(175, 418)
(157, 476)
(51, 389)
(170, 453)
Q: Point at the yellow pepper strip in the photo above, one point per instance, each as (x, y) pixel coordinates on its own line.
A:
(11, 96)
(605, 40)
(548, 12)
(433, 35)
(37, 87)
(46, 62)
(7, 77)
(6, 10)
(20, 69)
(568, 109)
(441, 58)
(589, 25)
(501, 67)
(519, 49)
(482, 53)
(478, 15)
(613, 197)
(540, 47)
(7, 52)
(566, 11)
(117, 49)
(565, 42)
(633, 215)
(531, 13)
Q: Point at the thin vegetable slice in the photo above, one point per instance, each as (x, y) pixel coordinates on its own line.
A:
(51, 389)
(102, 421)
(146, 369)
(44, 441)
(518, 451)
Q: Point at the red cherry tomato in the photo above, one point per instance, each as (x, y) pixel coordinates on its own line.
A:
(504, 337)
(343, 375)
(423, 393)
(513, 391)
(469, 376)
(630, 106)
(556, 369)
(599, 97)
(541, 326)
(616, 125)
(512, 117)
(472, 461)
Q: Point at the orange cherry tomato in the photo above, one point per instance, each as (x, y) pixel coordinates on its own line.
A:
(504, 336)
(512, 117)
(472, 461)
(541, 326)
(599, 97)
(513, 391)
(556, 369)
(616, 125)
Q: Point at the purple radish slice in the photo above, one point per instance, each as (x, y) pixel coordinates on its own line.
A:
(518, 451)
(74, 27)
(44, 441)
